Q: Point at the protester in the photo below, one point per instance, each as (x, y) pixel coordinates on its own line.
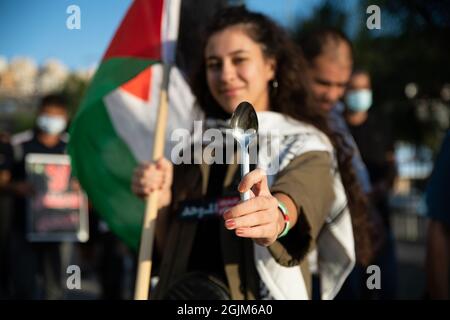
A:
(375, 142)
(330, 62)
(438, 240)
(35, 263)
(6, 156)
(6, 160)
(249, 58)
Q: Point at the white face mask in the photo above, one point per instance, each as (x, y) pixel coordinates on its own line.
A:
(359, 100)
(51, 124)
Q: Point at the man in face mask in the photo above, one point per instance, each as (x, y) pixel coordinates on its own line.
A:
(27, 260)
(373, 136)
(51, 122)
(358, 98)
(46, 137)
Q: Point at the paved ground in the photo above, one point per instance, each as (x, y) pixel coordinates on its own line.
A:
(409, 232)
(411, 273)
(411, 257)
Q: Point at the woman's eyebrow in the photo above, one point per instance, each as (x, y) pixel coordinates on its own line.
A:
(232, 53)
(238, 51)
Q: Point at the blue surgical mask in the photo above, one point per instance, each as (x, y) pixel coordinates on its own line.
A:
(51, 124)
(359, 100)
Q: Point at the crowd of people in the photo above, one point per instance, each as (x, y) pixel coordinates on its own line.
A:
(309, 231)
(34, 270)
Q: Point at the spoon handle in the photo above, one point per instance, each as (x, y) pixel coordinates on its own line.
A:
(245, 168)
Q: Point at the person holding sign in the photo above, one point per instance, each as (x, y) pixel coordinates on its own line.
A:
(28, 259)
(211, 245)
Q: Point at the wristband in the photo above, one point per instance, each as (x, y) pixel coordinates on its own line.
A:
(284, 211)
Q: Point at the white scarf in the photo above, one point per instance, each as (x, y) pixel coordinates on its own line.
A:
(335, 243)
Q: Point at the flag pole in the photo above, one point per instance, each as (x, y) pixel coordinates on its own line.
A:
(144, 269)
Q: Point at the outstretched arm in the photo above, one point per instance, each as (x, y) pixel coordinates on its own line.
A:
(259, 218)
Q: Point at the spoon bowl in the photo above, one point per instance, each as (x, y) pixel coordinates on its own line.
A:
(244, 117)
(244, 125)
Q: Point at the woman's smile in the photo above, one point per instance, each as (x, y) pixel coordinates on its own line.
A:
(237, 70)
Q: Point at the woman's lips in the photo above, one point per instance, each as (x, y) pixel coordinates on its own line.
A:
(230, 92)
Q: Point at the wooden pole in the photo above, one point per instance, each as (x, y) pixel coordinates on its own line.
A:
(148, 228)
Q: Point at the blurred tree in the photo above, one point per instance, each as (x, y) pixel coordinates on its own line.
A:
(413, 49)
(73, 90)
(329, 14)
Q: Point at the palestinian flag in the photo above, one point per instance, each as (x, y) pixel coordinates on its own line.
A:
(114, 127)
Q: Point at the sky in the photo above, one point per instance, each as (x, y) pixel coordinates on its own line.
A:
(37, 28)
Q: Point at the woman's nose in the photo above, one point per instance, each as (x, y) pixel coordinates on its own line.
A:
(227, 72)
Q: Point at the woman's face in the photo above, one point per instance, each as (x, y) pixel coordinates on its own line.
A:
(236, 70)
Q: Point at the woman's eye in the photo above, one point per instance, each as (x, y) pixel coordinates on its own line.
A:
(239, 60)
(213, 65)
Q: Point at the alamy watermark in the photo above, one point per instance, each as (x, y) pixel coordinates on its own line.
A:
(374, 20)
(73, 21)
(74, 278)
(374, 280)
(217, 146)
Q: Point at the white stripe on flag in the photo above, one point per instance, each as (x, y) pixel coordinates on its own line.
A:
(169, 30)
(134, 119)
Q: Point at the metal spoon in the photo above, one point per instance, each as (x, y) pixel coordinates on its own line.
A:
(244, 125)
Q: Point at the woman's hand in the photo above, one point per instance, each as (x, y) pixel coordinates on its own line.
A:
(149, 177)
(258, 218)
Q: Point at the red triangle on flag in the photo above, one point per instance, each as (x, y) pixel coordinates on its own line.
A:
(139, 86)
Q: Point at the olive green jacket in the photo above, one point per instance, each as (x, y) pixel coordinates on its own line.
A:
(307, 180)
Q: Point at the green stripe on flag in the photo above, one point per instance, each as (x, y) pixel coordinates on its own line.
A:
(104, 165)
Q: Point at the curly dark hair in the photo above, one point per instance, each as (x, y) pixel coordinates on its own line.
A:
(291, 97)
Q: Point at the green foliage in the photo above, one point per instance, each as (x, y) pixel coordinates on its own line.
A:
(74, 89)
(23, 121)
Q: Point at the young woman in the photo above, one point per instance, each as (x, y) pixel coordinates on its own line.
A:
(251, 250)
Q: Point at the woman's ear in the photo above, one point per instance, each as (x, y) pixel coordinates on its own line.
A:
(271, 65)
